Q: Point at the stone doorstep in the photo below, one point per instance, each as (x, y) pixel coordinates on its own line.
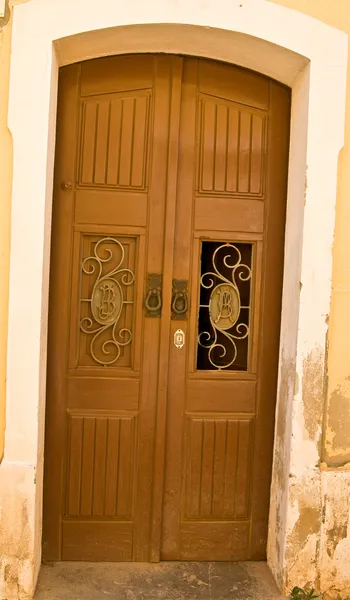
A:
(163, 581)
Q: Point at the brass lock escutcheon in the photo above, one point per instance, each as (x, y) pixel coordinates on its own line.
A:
(179, 303)
(153, 300)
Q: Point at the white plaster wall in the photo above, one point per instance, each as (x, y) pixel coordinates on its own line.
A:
(289, 323)
(295, 49)
(305, 501)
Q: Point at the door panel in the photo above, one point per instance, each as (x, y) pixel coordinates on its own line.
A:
(229, 247)
(170, 184)
(247, 216)
(234, 84)
(108, 234)
(231, 141)
(114, 140)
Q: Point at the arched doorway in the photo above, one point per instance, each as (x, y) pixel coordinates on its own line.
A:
(165, 303)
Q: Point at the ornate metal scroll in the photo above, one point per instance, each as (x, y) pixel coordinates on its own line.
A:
(107, 301)
(223, 316)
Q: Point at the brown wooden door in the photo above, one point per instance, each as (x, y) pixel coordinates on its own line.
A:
(167, 170)
(229, 238)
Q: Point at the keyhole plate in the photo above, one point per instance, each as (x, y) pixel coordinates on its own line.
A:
(179, 338)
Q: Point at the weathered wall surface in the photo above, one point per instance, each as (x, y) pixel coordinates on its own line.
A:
(334, 574)
(324, 539)
(18, 555)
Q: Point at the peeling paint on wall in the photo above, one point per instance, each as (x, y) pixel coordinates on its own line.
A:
(337, 434)
(335, 536)
(304, 528)
(279, 485)
(313, 392)
(16, 542)
(304, 516)
(308, 523)
(5, 13)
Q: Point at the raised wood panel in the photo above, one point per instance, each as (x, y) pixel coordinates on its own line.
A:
(96, 541)
(114, 141)
(216, 396)
(120, 208)
(100, 473)
(231, 149)
(224, 541)
(218, 473)
(106, 394)
(117, 74)
(234, 83)
(221, 214)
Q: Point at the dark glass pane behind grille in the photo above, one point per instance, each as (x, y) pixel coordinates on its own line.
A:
(224, 306)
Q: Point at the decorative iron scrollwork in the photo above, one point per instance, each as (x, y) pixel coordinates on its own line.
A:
(223, 317)
(107, 301)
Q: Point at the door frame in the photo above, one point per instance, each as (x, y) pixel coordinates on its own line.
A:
(303, 53)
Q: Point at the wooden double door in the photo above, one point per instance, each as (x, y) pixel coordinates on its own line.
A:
(165, 299)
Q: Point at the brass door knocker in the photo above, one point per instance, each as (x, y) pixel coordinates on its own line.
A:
(179, 304)
(153, 300)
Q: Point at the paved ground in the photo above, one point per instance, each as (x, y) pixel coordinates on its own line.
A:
(165, 581)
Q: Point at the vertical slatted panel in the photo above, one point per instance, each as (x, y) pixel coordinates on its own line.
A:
(256, 154)
(75, 456)
(114, 141)
(221, 148)
(101, 466)
(218, 475)
(242, 483)
(232, 149)
(89, 116)
(244, 152)
(207, 467)
(112, 467)
(219, 467)
(101, 146)
(231, 468)
(125, 468)
(126, 142)
(87, 467)
(140, 137)
(208, 141)
(195, 468)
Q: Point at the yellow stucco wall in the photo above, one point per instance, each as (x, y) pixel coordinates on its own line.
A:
(5, 204)
(336, 441)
